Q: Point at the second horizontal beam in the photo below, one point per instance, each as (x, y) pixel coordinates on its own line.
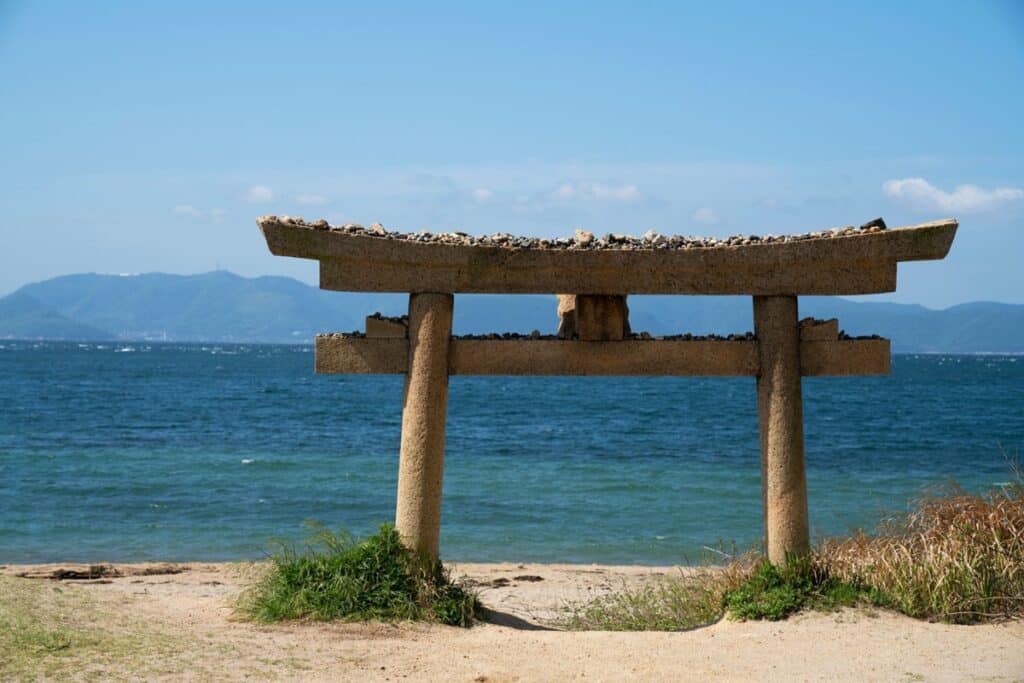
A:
(340, 354)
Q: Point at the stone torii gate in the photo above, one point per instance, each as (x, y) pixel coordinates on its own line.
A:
(599, 274)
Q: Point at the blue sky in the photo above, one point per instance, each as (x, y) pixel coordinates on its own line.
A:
(149, 136)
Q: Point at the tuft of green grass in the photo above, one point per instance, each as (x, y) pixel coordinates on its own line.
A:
(378, 578)
(768, 593)
(773, 593)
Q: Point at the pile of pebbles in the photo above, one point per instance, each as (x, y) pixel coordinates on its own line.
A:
(507, 335)
(403, 319)
(847, 337)
(355, 334)
(581, 240)
(746, 336)
(636, 336)
(535, 335)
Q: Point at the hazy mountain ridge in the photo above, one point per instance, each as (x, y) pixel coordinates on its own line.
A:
(222, 307)
(23, 316)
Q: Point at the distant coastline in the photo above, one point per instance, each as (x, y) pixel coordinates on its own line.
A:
(98, 343)
(221, 307)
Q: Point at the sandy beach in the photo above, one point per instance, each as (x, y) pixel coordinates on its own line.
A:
(175, 621)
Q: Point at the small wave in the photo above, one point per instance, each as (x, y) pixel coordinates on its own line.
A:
(247, 461)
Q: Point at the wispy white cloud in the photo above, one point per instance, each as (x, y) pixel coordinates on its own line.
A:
(705, 215)
(190, 211)
(596, 191)
(186, 210)
(259, 193)
(310, 199)
(482, 195)
(963, 198)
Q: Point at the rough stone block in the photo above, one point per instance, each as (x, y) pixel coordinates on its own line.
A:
(590, 317)
(378, 326)
(812, 329)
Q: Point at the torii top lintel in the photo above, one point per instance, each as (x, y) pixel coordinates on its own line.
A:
(846, 261)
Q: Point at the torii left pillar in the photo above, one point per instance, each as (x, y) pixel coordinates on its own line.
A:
(421, 462)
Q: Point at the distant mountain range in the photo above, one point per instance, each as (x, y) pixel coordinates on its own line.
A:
(223, 307)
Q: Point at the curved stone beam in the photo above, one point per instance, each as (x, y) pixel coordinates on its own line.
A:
(859, 263)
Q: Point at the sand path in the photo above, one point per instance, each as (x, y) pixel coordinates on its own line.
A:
(191, 613)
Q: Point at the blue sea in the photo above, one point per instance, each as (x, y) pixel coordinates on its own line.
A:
(126, 452)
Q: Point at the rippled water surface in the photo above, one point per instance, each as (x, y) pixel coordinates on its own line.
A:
(191, 452)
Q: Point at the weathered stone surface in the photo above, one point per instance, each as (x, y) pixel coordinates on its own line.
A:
(342, 354)
(336, 354)
(566, 316)
(378, 326)
(421, 459)
(845, 357)
(601, 318)
(856, 262)
(780, 414)
(819, 330)
(612, 358)
(592, 318)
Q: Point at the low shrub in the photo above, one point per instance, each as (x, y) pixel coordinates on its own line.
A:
(378, 578)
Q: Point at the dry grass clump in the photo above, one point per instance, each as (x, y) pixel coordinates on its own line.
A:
(691, 599)
(955, 557)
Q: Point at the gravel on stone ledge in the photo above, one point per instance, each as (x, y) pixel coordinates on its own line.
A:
(636, 336)
(581, 240)
(404, 319)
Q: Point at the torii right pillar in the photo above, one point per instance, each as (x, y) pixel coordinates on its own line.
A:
(781, 420)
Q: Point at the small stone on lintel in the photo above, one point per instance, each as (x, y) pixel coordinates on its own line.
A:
(812, 329)
(379, 326)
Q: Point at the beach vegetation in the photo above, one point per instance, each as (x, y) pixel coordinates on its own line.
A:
(685, 601)
(773, 593)
(337, 577)
(955, 556)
